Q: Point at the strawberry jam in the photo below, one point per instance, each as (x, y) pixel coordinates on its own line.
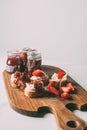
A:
(16, 61)
(34, 60)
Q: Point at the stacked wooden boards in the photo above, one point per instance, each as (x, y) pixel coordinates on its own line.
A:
(61, 108)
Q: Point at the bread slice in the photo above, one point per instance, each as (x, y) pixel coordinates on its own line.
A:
(32, 94)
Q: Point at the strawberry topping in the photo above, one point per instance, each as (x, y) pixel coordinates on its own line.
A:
(65, 95)
(66, 89)
(69, 85)
(61, 73)
(53, 90)
(38, 73)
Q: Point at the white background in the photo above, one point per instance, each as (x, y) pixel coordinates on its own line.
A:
(58, 28)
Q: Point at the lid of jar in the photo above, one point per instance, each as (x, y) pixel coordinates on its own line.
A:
(15, 52)
(26, 49)
(34, 54)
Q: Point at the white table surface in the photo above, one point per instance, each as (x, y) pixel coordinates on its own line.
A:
(11, 120)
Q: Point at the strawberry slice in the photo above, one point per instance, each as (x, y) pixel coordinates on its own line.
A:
(66, 89)
(53, 90)
(61, 73)
(65, 95)
(16, 81)
(38, 73)
(69, 85)
(17, 74)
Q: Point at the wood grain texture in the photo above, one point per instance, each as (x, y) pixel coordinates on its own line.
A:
(61, 108)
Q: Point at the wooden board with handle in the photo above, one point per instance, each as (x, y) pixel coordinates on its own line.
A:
(61, 108)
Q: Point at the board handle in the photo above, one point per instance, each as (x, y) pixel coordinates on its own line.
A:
(67, 120)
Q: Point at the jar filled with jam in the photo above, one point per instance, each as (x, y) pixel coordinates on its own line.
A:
(34, 60)
(16, 61)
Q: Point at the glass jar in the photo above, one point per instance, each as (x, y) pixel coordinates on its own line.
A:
(34, 60)
(16, 60)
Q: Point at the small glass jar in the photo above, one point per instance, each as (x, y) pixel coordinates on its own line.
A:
(34, 60)
(16, 60)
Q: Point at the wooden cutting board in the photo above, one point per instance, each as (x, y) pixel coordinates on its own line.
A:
(61, 108)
